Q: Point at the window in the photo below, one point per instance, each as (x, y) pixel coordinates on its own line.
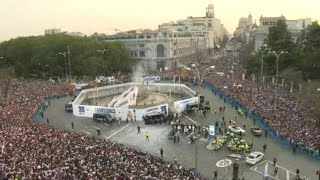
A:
(175, 52)
(160, 50)
(141, 54)
(135, 54)
(141, 45)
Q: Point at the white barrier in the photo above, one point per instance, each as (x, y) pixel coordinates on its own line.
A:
(121, 111)
(181, 106)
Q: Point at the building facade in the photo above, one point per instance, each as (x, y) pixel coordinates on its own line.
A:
(173, 42)
(295, 27)
(161, 50)
(246, 29)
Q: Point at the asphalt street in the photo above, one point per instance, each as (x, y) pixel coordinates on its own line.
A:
(184, 150)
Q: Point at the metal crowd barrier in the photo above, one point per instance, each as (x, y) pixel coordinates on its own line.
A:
(260, 121)
(37, 114)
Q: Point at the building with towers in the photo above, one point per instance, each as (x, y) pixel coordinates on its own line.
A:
(173, 42)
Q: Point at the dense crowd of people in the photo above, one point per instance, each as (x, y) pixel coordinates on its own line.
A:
(292, 118)
(294, 121)
(30, 150)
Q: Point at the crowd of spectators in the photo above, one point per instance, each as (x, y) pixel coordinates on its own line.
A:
(292, 118)
(30, 150)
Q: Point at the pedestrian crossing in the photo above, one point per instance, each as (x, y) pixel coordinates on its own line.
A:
(267, 168)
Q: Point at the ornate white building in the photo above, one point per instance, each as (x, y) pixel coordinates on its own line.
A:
(294, 26)
(161, 50)
(172, 42)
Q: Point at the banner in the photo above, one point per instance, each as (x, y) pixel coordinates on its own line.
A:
(212, 130)
(151, 78)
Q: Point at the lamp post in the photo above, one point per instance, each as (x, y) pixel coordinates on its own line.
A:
(277, 63)
(277, 71)
(200, 76)
(64, 54)
(102, 51)
(197, 72)
(262, 53)
(69, 62)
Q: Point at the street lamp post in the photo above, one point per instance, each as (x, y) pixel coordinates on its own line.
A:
(69, 62)
(200, 76)
(64, 54)
(102, 51)
(277, 71)
(262, 56)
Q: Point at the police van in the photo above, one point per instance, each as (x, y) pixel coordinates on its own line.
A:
(102, 117)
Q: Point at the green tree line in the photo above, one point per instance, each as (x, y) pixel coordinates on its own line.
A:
(38, 56)
(303, 54)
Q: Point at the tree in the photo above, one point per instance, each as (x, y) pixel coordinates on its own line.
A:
(279, 38)
(37, 56)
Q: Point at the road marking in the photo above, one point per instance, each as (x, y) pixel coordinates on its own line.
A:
(288, 172)
(258, 164)
(266, 167)
(190, 134)
(86, 132)
(191, 119)
(118, 131)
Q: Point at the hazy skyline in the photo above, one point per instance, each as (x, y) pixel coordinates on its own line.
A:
(32, 17)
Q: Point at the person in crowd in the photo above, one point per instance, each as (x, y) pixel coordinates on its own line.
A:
(274, 161)
(147, 136)
(37, 151)
(264, 147)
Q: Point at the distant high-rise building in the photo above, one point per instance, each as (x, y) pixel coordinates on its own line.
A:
(52, 31)
(245, 29)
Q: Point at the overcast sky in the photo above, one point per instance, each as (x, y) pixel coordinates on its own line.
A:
(32, 17)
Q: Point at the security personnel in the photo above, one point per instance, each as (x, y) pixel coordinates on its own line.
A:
(98, 131)
(175, 160)
(161, 152)
(264, 147)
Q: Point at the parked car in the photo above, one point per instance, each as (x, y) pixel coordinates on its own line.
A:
(236, 130)
(254, 157)
(68, 107)
(256, 131)
(106, 118)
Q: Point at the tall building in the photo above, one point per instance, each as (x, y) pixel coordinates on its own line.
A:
(246, 29)
(172, 42)
(58, 31)
(295, 27)
(52, 31)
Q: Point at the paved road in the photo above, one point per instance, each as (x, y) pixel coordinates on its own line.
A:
(185, 151)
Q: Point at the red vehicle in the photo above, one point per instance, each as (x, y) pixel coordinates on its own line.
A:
(256, 131)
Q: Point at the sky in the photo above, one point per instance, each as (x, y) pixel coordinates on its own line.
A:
(32, 17)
